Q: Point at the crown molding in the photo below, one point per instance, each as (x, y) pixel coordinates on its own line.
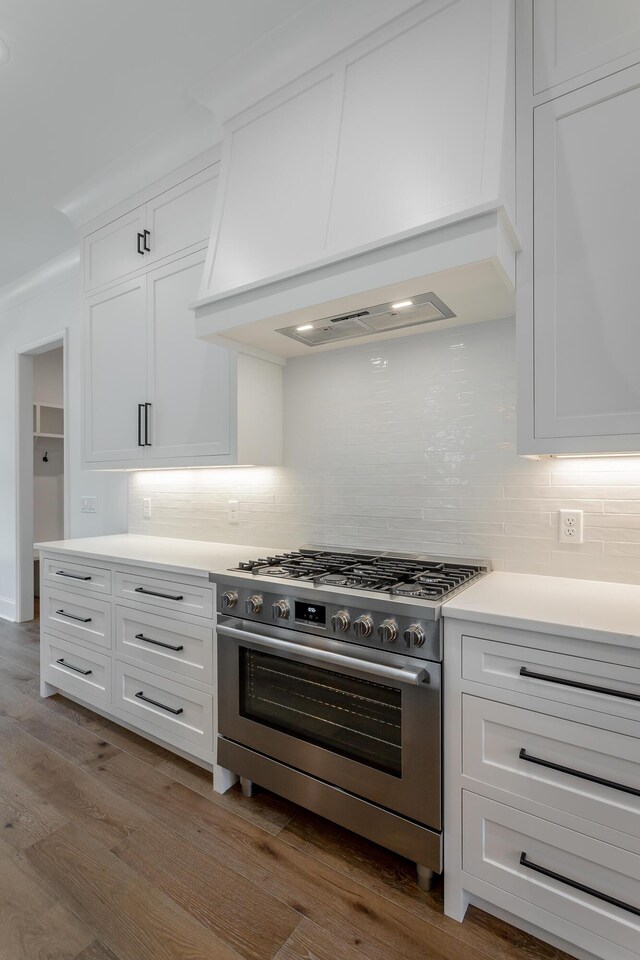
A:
(49, 275)
(301, 43)
(194, 133)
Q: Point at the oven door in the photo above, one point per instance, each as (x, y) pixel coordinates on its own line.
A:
(370, 726)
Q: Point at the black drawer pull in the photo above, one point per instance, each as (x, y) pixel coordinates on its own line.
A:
(154, 593)
(72, 576)
(147, 442)
(608, 691)
(523, 755)
(140, 242)
(578, 886)
(162, 706)
(158, 643)
(70, 666)
(146, 234)
(141, 408)
(70, 616)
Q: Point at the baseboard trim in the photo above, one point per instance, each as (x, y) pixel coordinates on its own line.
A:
(7, 609)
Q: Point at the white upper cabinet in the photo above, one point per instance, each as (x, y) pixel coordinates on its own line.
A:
(586, 256)
(167, 225)
(572, 38)
(189, 380)
(115, 373)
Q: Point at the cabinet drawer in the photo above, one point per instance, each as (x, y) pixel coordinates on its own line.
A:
(167, 594)
(184, 648)
(504, 846)
(114, 250)
(178, 711)
(82, 618)
(76, 669)
(607, 688)
(593, 774)
(77, 574)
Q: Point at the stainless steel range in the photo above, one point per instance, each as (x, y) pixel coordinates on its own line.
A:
(329, 683)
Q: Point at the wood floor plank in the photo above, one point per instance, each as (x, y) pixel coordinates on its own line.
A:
(33, 926)
(74, 712)
(334, 901)
(73, 793)
(12, 673)
(393, 877)
(96, 951)
(247, 918)
(311, 942)
(15, 704)
(24, 816)
(131, 743)
(267, 811)
(78, 744)
(19, 648)
(130, 917)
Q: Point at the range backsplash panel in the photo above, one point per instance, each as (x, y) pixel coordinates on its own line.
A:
(410, 445)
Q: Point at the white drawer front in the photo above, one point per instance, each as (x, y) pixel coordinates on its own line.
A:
(498, 838)
(82, 617)
(166, 594)
(184, 648)
(565, 679)
(520, 751)
(77, 574)
(77, 669)
(178, 711)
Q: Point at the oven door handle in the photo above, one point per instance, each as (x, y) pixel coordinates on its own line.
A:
(412, 675)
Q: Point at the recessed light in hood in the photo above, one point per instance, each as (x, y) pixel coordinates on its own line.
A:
(426, 308)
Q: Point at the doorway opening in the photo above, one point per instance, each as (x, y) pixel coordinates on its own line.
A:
(42, 472)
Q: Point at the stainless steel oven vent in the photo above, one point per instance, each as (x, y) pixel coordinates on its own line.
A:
(407, 312)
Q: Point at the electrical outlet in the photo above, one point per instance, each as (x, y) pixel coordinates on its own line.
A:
(570, 526)
(146, 507)
(88, 504)
(234, 511)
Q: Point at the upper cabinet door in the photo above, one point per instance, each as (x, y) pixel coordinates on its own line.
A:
(115, 250)
(190, 380)
(181, 217)
(573, 37)
(115, 374)
(586, 259)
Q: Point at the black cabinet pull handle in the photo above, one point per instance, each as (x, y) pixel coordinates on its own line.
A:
(158, 643)
(140, 242)
(72, 576)
(608, 691)
(147, 237)
(70, 616)
(147, 407)
(155, 593)
(140, 409)
(162, 706)
(523, 755)
(578, 886)
(70, 666)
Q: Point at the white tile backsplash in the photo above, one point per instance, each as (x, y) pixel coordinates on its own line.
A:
(410, 445)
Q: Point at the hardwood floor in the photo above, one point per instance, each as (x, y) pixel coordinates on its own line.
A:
(112, 848)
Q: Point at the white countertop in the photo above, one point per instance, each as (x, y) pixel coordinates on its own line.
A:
(587, 609)
(190, 557)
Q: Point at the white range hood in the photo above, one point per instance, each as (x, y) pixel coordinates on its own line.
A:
(382, 175)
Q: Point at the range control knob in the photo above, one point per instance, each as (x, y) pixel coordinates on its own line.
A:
(414, 635)
(363, 626)
(388, 631)
(280, 610)
(254, 604)
(340, 621)
(228, 599)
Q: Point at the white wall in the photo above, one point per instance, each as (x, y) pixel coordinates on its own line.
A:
(33, 309)
(410, 445)
(48, 383)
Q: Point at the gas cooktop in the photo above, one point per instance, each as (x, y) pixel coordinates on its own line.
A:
(412, 576)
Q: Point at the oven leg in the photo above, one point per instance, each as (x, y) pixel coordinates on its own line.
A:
(246, 786)
(426, 877)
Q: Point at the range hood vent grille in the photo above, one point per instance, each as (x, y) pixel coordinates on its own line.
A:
(411, 311)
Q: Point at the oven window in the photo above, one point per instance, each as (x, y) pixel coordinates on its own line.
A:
(355, 718)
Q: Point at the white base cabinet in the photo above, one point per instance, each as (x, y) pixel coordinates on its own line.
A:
(542, 785)
(135, 644)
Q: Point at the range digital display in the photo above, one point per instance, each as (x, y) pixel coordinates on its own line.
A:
(313, 613)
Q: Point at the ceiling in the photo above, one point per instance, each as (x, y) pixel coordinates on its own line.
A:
(86, 81)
